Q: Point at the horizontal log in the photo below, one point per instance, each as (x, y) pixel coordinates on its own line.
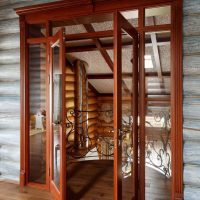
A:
(70, 94)
(191, 134)
(9, 26)
(9, 170)
(9, 105)
(69, 78)
(69, 104)
(10, 56)
(191, 192)
(10, 41)
(192, 175)
(8, 13)
(190, 7)
(191, 152)
(10, 137)
(191, 25)
(9, 73)
(11, 122)
(191, 86)
(92, 100)
(10, 89)
(191, 45)
(191, 65)
(7, 155)
(192, 124)
(191, 110)
(69, 87)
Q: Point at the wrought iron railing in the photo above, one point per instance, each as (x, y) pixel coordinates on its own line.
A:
(99, 145)
(158, 149)
(86, 145)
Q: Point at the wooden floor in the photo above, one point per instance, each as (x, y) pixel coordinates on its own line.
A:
(93, 180)
(10, 191)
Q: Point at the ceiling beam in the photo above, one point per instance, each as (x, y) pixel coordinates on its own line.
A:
(109, 46)
(162, 98)
(89, 35)
(156, 54)
(125, 75)
(98, 44)
(104, 53)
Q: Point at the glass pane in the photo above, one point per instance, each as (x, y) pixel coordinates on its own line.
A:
(158, 122)
(56, 112)
(37, 107)
(127, 120)
(89, 102)
(36, 30)
(158, 16)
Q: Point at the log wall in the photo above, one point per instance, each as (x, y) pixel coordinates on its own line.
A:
(10, 93)
(191, 104)
(10, 87)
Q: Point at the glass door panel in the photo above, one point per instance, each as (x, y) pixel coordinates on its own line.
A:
(57, 143)
(126, 110)
(37, 119)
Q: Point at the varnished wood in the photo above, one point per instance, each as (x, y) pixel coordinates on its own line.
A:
(176, 103)
(90, 35)
(160, 42)
(125, 75)
(23, 107)
(10, 191)
(142, 107)
(94, 180)
(58, 11)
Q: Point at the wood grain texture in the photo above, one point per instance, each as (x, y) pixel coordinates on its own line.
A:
(191, 45)
(191, 192)
(191, 153)
(191, 86)
(191, 65)
(191, 134)
(10, 191)
(191, 7)
(10, 87)
(191, 104)
(192, 175)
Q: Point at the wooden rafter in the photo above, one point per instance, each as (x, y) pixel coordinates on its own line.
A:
(89, 35)
(156, 54)
(91, 47)
(98, 44)
(104, 53)
(125, 75)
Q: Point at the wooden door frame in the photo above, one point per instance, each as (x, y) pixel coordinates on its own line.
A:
(120, 23)
(58, 195)
(45, 13)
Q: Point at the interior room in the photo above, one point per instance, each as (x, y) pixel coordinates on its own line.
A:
(86, 85)
(99, 99)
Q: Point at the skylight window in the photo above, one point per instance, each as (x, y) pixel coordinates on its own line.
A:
(148, 62)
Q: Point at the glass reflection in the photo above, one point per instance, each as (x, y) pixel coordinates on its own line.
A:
(56, 111)
(158, 116)
(37, 117)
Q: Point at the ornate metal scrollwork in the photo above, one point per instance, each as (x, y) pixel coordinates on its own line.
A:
(101, 146)
(158, 148)
(86, 146)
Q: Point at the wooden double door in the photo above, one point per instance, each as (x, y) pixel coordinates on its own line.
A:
(125, 96)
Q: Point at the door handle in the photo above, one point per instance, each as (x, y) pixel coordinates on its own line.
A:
(56, 123)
